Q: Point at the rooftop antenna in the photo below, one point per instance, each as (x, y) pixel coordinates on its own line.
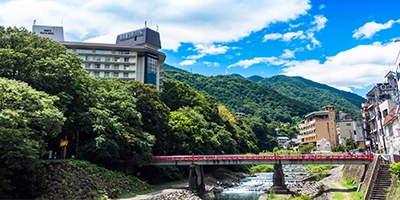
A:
(157, 28)
(34, 22)
(145, 24)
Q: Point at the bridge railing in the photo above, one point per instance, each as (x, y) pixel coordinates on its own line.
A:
(264, 157)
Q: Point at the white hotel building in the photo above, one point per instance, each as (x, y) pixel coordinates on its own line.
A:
(135, 56)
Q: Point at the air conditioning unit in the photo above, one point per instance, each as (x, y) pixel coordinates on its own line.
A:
(383, 87)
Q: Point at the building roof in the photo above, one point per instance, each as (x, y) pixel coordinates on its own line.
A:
(318, 113)
(392, 115)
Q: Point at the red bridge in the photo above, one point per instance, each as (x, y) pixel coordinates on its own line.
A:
(299, 159)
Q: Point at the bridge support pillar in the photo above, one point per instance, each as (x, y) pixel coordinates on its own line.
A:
(278, 178)
(196, 179)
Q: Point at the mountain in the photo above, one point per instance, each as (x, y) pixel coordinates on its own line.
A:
(315, 93)
(246, 96)
(255, 78)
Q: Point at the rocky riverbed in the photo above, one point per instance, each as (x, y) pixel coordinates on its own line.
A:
(220, 179)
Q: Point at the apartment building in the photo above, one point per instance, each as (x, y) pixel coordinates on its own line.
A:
(134, 56)
(380, 115)
(318, 125)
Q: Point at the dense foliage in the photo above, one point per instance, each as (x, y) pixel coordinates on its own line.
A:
(246, 96)
(314, 93)
(28, 120)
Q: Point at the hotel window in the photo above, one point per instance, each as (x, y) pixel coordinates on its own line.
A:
(70, 50)
(88, 57)
(126, 75)
(116, 74)
(126, 59)
(116, 59)
(87, 65)
(106, 74)
(122, 52)
(116, 66)
(151, 69)
(126, 67)
(97, 66)
(84, 51)
(107, 58)
(97, 74)
(99, 51)
(98, 58)
(107, 66)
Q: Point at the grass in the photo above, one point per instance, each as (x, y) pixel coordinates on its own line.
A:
(354, 195)
(337, 195)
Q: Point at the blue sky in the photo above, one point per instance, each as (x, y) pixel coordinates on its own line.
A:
(345, 44)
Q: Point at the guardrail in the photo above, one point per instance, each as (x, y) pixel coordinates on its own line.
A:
(263, 157)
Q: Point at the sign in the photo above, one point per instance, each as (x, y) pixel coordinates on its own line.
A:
(64, 143)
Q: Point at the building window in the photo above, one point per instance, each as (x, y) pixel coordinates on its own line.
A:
(385, 112)
(107, 58)
(126, 59)
(99, 51)
(88, 57)
(116, 66)
(106, 74)
(116, 59)
(116, 74)
(126, 67)
(97, 66)
(107, 66)
(348, 124)
(122, 52)
(87, 65)
(97, 74)
(390, 129)
(126, 75)
(98, 58)
(70, 50)
(151, 69)
(84, 51)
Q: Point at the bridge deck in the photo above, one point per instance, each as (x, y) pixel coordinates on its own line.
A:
(299, 159)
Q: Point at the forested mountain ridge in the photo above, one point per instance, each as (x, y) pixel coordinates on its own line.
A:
(316, 93)
(308, 92)
(245, 96)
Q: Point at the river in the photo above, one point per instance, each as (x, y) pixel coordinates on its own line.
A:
(253, 187)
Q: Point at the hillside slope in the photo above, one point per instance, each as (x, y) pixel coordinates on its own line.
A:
(315, 93)
(245, 96)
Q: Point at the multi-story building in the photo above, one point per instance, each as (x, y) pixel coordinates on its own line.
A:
(350, 129)
(318, 125)
(135, 56)
(382, 99)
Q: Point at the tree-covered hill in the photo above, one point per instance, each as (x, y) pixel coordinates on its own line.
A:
(315, 93)
(245, 96)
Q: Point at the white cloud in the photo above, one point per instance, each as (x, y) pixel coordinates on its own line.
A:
(187, 62)
(209, 64)
(317, 25)
(319, 21)
(370, 28)
(179, 21)
(207, 49)
(322, 6)
(293, 35)
(357, 67)
(249, 62)
(272, 36)
(290, 54)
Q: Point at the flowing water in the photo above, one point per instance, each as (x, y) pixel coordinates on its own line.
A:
(253, 187)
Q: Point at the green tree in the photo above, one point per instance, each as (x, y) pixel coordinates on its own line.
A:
(306, 148)
(154, 112)
(114, 133)
(47, 66)
(28, 120)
